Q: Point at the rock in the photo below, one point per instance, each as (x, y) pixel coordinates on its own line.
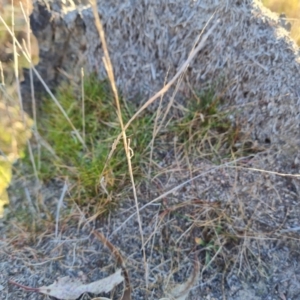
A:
(249, 56)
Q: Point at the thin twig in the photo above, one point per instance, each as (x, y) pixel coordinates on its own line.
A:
(120, 261)
(33, 102)
(24, 287)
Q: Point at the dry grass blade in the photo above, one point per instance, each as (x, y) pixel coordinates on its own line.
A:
(173, 80)
(59, 205)
(268, 172)
(182, 72)
(128, 151)
(177, 75)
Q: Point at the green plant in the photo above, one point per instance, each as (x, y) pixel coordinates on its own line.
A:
(93, 173)
(205, 129)
(96, 176)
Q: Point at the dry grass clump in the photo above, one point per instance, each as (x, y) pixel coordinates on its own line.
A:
(98, 177)
(200, 131)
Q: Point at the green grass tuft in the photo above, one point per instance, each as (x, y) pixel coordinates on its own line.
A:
(202, 130)
(206, 130)
(85, 166)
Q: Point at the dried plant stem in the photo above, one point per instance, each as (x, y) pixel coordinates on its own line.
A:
(25, 15)
(267, 172)
(173, 80)
(177, 75)
(109, 70)
(183, 70)
(24, 287)
(82, 103)
(33, 103)
(16, 67)
(59, 205)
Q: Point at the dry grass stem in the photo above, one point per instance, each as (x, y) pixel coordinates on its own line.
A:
(109, 69)
(173, 80)
(82, 101)
(59, 205)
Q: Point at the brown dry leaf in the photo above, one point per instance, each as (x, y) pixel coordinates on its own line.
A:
(70, 289)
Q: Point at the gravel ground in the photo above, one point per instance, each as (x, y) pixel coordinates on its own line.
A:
(247, 219)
